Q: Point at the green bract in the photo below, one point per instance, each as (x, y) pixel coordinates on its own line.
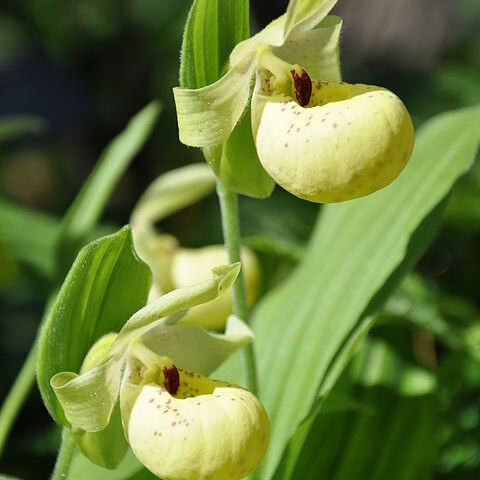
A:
(360, 148)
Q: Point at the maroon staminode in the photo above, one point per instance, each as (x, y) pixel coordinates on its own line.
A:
(172, 379)
(303, 86)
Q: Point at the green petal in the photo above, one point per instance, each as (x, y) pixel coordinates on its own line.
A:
(88, 399)
(315, 50)
(304, 15)
(176, 302)
(207, 116)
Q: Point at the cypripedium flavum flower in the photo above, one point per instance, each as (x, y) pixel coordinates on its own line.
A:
(184, 426)
(150, 381)
(174, 266)
(319, 138)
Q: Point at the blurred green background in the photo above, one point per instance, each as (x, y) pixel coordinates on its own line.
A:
(87, 66)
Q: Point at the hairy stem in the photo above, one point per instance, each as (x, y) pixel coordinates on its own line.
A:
(231, 235)
(65, 456)
(17, 395)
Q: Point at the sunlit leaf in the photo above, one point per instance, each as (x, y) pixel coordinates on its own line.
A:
(105, 286)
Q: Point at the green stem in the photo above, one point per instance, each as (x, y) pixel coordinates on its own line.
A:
(17, 395)
(231, 235)
(65, 456)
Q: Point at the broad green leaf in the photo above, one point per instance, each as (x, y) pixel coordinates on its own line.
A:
(315, 50)
(395, 439)
(14, 126)
(174, 303)
(213, 28)
(237, 164)
(357, 248)
(194, 348)
(208, 115)
(105, 286)
(303, 15)
(30, 236)
(88, 205)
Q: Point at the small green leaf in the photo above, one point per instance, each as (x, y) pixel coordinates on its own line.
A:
(304, 15)
(315, 50)
(13, 126)
(105, 286)
(88, 205)
(176, 302)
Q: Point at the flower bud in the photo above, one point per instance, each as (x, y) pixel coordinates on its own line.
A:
(184, 426)
(346, 140)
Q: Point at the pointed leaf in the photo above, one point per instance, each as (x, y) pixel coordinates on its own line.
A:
(105, 286)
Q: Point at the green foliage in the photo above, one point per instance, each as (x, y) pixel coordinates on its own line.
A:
(14, 126)
(105, 286)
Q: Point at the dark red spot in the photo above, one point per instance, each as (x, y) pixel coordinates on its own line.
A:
(172, 379)
(303, 86)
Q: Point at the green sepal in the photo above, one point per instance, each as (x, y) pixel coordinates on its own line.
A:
(174, 303)
(304, 15)
(236, 162)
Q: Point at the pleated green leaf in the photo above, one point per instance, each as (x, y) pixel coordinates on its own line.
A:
(88, 205)
(105, 286)
(394, 438)
(213, 28)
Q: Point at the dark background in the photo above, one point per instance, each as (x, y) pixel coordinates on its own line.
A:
(87, 66)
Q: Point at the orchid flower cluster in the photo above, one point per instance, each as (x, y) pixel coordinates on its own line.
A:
(320, 139)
